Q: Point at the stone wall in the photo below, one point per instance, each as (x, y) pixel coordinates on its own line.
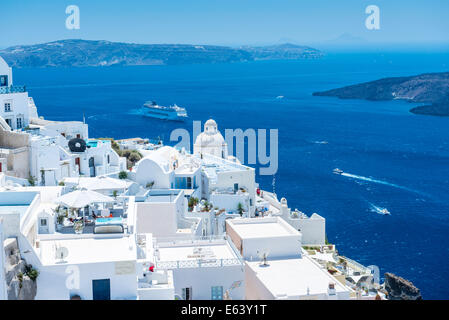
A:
(19, 285)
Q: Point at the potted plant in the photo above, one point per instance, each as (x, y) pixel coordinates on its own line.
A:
(60, 221)
(192, 203)
(150, 185)
(240, 209)
(78, 226)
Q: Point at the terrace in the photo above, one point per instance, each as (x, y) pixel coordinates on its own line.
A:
(201, 252)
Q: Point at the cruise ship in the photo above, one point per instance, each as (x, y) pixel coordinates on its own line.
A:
(153, 110)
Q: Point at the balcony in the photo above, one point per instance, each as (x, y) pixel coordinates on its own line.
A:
(12, 89)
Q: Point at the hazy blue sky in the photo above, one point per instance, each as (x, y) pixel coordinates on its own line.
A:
(229, 22)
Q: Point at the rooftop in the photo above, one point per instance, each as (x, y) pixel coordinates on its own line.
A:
(262, 227)
(88, 250)
(294, 277)
(193, 253)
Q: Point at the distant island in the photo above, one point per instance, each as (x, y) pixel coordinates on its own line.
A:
(430, 88)
(83, 53)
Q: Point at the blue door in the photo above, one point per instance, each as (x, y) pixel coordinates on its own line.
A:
(101, 289)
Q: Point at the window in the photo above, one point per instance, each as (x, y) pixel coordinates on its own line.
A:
(19, 123)
(43, 222)
(189, 182)
(187, 293)
(7, 106)
(217, 293)
(3, 81)
(9, 122)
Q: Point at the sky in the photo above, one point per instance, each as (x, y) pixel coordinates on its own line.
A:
(226, 22)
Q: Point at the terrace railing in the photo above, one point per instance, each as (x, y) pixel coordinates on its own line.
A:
(12, 89)
(199, 263)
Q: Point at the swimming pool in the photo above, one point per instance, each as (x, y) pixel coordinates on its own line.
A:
(113, 220)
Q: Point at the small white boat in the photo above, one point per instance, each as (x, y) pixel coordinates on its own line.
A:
(338, 171)
(385, 211)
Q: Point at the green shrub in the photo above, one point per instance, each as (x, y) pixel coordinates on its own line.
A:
(123, 175)
(33, 274)
(31, 181)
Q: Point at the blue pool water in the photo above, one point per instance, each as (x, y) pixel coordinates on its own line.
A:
(113, 220)
(392, 158)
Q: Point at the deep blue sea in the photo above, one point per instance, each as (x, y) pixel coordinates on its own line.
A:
(394, 159)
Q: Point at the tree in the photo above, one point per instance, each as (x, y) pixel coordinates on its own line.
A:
(193, 202)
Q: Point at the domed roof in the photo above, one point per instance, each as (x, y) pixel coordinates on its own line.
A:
(210, 136)
(210, 123)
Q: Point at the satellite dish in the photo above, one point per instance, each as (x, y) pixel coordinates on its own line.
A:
(61, 253)
(77, 145)
(263, 255)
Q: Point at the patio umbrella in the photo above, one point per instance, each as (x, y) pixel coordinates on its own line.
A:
(81, 198)
(106, 183)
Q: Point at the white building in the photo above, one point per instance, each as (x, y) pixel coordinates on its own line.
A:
(203, 269)
(271, 235)
(14, 152)
(3, 294)
(226, 184)
(275, 266)
(312, 228)
(16, 107)
(168, 168)
(162, 213)
(86, 266)
(98, 268)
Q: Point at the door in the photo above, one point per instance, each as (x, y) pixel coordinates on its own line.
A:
(78, 163)
(3, 81)
(101, 289)
(189, 182)
(43, 226)
(187, 293)
(217, 293)
(92, 166)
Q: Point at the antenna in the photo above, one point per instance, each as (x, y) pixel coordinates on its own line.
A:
(61, 253)
(263, 255)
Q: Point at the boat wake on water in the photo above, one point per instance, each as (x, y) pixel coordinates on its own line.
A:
(385, 183)
(379, 210)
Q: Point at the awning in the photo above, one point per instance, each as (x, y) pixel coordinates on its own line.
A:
(82, 198)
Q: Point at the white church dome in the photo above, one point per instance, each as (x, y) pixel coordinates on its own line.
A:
(210, 136)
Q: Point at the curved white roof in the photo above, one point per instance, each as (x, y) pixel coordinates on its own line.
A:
(4, 67)
(163, 157)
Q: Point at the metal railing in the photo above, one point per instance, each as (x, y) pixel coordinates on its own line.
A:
(199, 263)
(12, 89)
